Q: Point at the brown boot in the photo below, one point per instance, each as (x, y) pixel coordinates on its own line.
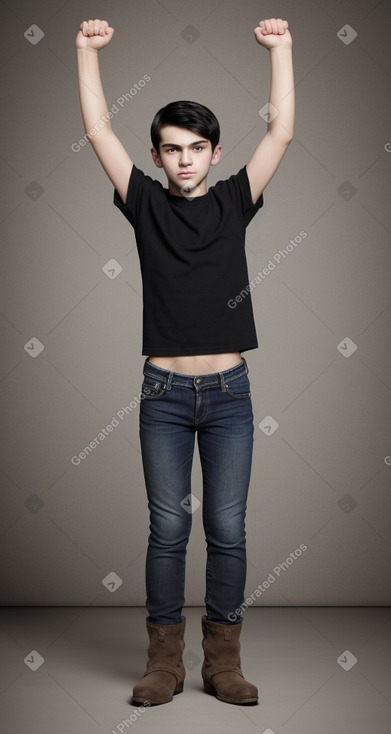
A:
(221, 671)
(165, 671)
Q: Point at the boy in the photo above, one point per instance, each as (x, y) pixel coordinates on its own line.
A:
(190, 242)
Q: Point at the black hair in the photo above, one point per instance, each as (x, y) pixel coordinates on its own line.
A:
(190, 115)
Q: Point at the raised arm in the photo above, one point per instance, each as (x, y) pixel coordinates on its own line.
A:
(92, 36)
(274, 35)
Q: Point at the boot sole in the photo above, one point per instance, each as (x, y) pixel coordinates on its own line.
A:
(209, 688)
(141, 701)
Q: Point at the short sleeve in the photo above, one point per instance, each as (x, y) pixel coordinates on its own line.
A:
(138, 193)
(250, 209)
(240, 193)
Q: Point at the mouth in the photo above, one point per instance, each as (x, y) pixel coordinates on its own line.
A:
(186, 174)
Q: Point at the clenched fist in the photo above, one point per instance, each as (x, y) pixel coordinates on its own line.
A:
(94, 34)
(273, 32)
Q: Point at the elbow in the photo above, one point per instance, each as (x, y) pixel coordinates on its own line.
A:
(286, 135)
(290, 133)
(282, 136)
(283, 142)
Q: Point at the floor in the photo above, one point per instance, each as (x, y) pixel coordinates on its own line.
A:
(318, 670)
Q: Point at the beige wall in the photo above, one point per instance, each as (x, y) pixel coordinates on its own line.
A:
(321, 480)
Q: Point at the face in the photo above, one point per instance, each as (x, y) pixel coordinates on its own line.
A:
(186, 158)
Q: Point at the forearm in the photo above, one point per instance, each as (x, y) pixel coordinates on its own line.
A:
(92, 98)
(282, 92)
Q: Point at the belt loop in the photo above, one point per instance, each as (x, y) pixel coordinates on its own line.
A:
(222, 382)
(169, 381)
(245, 364)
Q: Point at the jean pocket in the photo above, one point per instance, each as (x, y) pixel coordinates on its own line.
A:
(239, 388)
(152, 388)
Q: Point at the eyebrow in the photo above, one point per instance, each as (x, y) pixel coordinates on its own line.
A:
(174, 145)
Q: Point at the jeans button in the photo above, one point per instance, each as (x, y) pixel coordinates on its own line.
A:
(198, 380)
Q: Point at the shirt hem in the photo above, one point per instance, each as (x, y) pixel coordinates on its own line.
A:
(180, 352)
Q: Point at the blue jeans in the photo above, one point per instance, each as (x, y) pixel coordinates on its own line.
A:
(174, 408)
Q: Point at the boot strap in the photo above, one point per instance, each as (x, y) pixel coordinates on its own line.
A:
(225, 669)
(161, 669)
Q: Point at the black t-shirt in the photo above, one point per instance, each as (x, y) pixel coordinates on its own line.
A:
(193, 264)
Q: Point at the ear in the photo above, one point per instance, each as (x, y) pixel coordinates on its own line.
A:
(216, 155)
(156, 158)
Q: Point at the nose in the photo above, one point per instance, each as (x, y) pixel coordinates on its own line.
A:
(185, 158)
